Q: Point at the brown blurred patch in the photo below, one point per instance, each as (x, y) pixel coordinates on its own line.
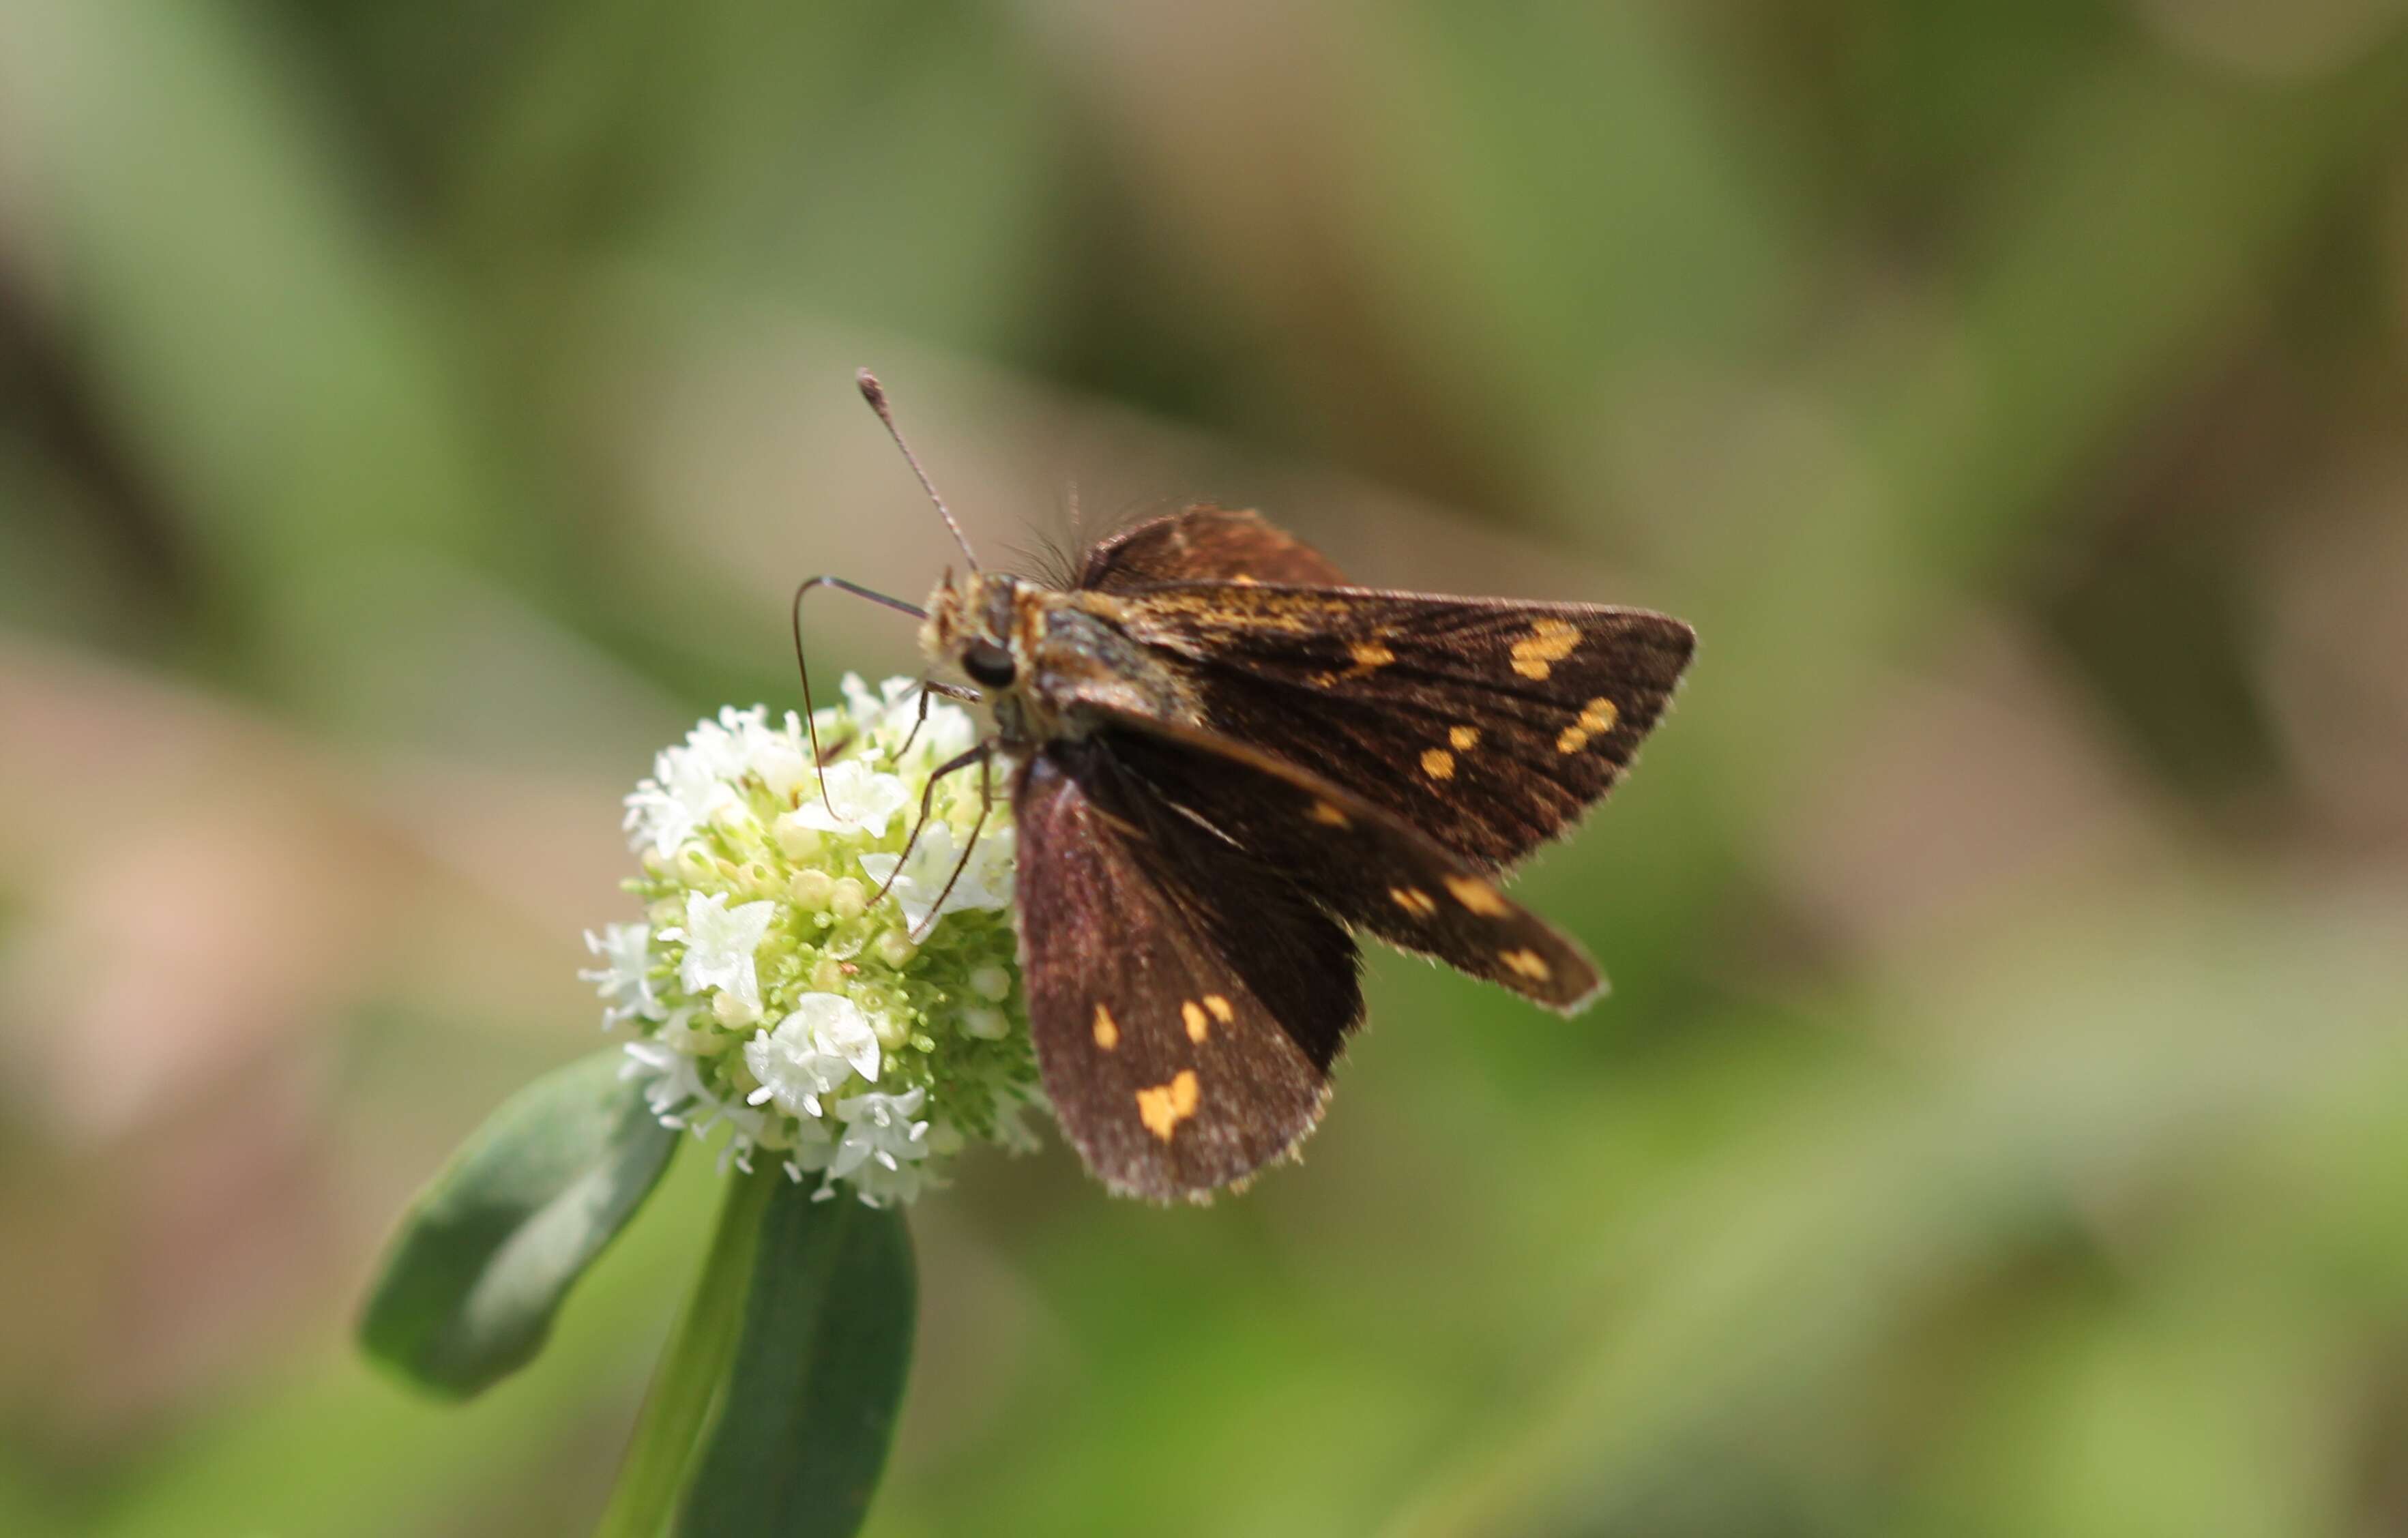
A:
(2336, 667)
(1978, 781)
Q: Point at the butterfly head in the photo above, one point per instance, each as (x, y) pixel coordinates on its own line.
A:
(974, 626)
(1043, 658)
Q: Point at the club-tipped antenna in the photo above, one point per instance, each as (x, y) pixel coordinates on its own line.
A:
(875, 393)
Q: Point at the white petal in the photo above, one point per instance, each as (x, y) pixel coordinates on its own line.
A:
(853, 796)
(864, 707)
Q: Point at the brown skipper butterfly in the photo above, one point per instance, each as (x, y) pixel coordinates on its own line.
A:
(1226, 763)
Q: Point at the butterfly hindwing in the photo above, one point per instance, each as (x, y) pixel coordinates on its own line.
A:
(1202, 544)
(1367, 868)
(1185, 999)
(1488, 724)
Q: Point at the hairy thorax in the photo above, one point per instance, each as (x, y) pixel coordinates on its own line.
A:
(1071, 656)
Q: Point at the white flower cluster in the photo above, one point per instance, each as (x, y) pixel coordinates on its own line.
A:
(768, 993)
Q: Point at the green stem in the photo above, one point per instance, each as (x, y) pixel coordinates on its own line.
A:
(693, 1370)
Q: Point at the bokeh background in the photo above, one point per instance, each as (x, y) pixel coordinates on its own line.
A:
(411, 416)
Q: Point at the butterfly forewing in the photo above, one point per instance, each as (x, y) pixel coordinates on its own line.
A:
(1185, 999)
(1488, 724)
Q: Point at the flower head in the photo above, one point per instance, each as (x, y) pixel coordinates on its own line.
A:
(855, 1040)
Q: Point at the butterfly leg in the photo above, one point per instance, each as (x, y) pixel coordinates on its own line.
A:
(929, 687)
(986, 755)
(927, 803)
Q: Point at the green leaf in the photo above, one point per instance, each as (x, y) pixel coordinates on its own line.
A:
(809, 1409)
(488, 1251)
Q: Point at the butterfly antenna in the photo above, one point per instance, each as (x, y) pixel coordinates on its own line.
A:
(875, 393)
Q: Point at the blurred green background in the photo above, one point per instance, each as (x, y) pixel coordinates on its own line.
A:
(411, 416)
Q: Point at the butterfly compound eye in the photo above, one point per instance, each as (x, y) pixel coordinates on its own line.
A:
(988, 663)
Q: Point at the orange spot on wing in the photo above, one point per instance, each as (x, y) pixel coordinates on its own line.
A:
(1550, 642)
(1478, 896)
(1437, 763)
(1219, 1007)
(1108, 1031)
(1413, 901)
(1163, 1108)
(1597, 718)
(1370, 656)
(1529, 964)
(1193, 1013)
(1462, 739)
(1328, 815)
